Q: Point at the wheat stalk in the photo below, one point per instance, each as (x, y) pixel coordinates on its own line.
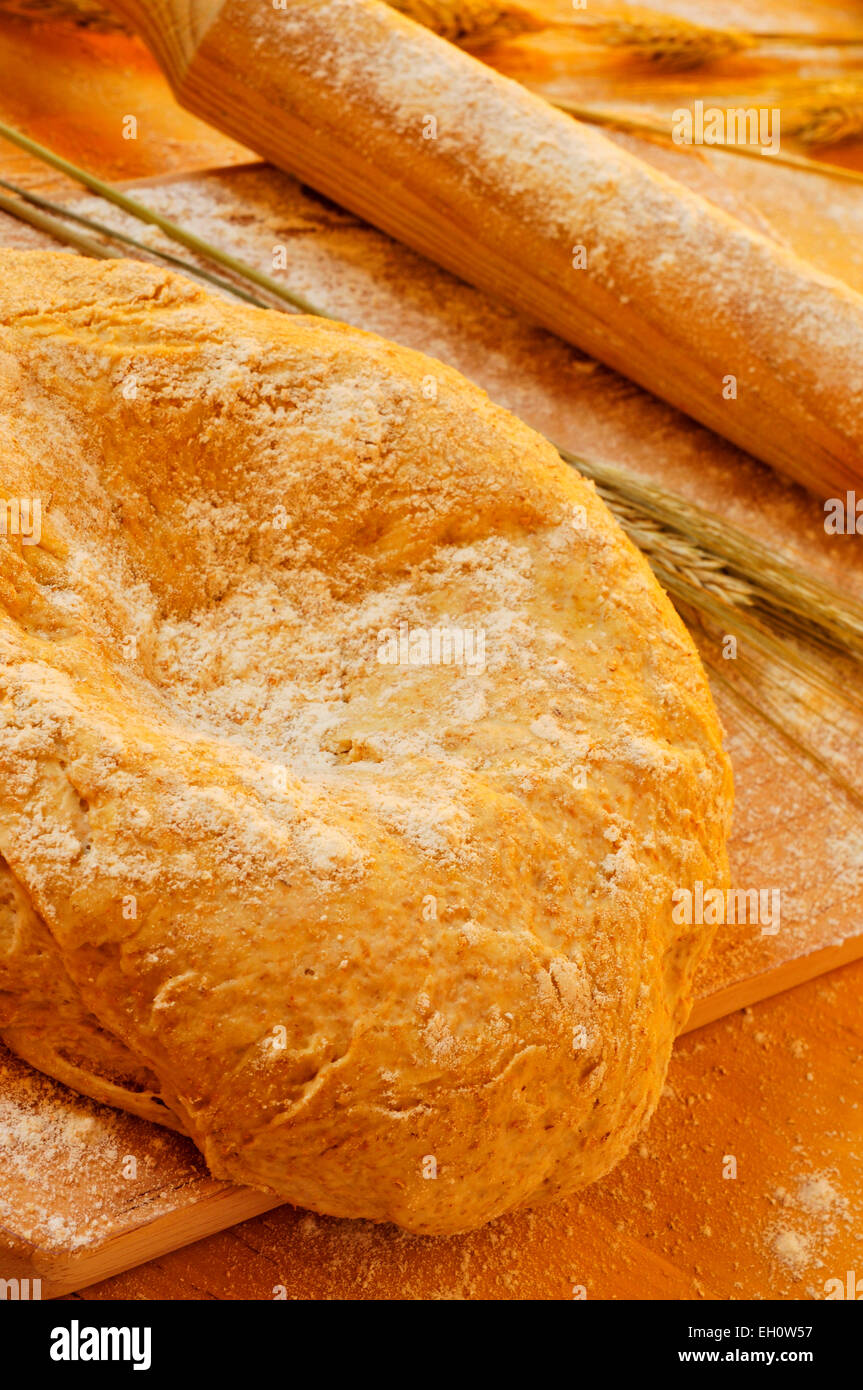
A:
(673, 45)
(471, 22)
(724, 582)
(664, 42)
(831, 114)
(88, 13)
(688, 563)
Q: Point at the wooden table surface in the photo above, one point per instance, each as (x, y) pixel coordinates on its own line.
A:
(748, 1182)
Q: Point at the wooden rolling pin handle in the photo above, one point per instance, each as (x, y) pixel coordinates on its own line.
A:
(538, 210)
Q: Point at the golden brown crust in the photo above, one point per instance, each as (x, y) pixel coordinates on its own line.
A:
(361, 921)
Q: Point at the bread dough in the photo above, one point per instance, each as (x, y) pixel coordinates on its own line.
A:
(390, 937)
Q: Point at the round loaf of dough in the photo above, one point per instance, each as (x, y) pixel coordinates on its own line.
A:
(350, 756)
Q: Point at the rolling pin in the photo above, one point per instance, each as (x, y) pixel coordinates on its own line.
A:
(538, 210)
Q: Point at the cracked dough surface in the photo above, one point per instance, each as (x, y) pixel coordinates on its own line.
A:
(332, 917)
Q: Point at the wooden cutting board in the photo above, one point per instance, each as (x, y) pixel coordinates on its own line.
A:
(88, 1192)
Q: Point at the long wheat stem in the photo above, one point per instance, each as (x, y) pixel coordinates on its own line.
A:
(55, 227)
(146, 214)
(43, 222)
